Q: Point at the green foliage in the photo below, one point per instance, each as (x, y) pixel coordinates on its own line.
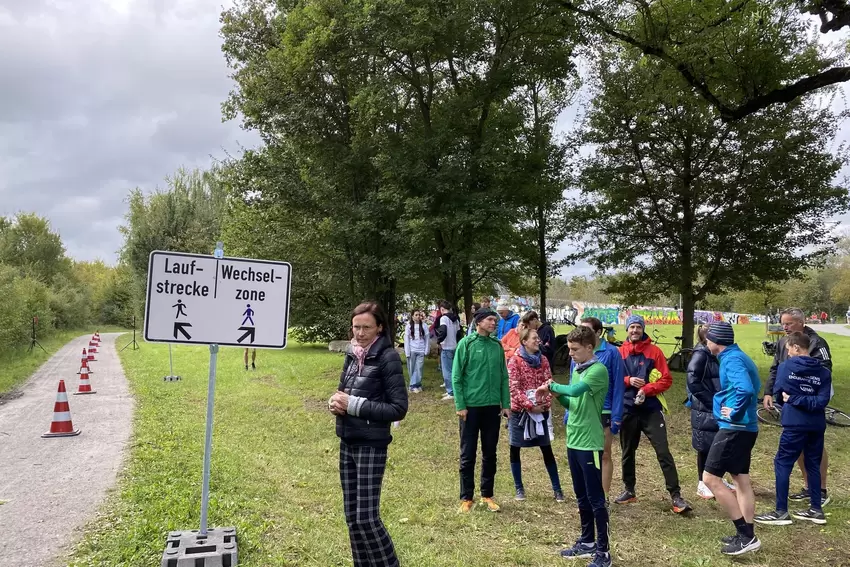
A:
(27, 243)
(397, 135)
(38, 280)
(740, 57)
(184, 217)
(689, 204)
(25, 298)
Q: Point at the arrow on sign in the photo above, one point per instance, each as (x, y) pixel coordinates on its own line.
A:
(248, 331)
(181, 328)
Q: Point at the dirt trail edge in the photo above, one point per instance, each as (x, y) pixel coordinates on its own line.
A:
(51, 487)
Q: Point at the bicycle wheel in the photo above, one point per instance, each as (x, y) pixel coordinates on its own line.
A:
(837, 417)
(769, 416)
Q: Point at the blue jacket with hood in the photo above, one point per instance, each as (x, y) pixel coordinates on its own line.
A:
(609, 355)
(506, 325)
(739, 388)
(809, 384)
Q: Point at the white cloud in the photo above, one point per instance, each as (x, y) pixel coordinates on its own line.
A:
(101, 96)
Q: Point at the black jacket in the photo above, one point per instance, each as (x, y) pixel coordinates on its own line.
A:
(381, 383)
(547, 342)
(703, 383)
(818, 348)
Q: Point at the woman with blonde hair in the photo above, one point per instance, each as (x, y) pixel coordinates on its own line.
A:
(530, 416)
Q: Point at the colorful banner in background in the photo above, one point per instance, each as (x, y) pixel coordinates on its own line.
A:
(615, 314)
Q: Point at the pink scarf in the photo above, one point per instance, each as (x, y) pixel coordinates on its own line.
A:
(361, 352)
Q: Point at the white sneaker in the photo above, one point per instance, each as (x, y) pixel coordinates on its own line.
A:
(447, 397)
(704, 492)
(729, 485)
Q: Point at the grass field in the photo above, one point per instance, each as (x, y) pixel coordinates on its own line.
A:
(18, 364)
(274, 476)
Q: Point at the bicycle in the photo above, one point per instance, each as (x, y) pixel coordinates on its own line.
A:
(773, 416)
(680, 358)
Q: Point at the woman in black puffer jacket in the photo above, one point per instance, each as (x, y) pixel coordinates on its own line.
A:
(371, 395)
(703, 383)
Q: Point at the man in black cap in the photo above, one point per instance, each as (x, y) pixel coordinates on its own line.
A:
(735, 412)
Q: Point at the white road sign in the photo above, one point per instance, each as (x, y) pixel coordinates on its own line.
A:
(198, 299)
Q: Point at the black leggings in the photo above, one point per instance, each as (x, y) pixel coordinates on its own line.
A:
(548, 455)
(701, 458)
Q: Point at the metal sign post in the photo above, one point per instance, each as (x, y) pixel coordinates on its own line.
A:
(198, 299)
(205, 491)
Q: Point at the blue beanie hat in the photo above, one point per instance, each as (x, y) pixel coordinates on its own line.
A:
(721, 333)
(635, 319)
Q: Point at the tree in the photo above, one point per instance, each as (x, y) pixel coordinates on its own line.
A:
(741, 56)
(399, 128)
(685, 202)
(186, 216)
(28, 243)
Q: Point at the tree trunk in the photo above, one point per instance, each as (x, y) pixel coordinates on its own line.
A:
(387, 299)
(542, 260)
(688, 317)
(466, 282)
(447, 277)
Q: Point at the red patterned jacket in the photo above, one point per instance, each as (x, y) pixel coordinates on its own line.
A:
(523, 377)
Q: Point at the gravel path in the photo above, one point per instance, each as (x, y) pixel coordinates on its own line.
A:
(51, 487)
(835, 329)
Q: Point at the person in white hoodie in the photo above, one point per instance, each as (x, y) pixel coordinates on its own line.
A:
(417, 345)
(447, 336)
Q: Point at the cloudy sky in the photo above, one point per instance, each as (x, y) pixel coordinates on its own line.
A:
(101, 96)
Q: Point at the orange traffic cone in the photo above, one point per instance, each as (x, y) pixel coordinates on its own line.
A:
(90, 356)
(85, 385)
(61, 425)
(93, 348)
(84, 365)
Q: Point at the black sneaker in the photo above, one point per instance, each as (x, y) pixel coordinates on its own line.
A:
(559, 496)
(520, 494)
(601, 559)
(253, 366)
(811, 515)
(726, 540)
(579, 551)
(775, 518)
(680, 505)
(627, 497)
(824, 498)
(741, 545)
(802, 495)
(246, 367)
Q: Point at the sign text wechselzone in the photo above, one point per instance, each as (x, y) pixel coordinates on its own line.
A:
(231, 272)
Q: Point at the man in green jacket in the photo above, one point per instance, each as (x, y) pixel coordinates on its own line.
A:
(482, 397)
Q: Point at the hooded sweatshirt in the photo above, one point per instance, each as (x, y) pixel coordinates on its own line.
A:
(640, 359)
(506, 325)
(739, 389)
(808, 383)
(416, 341)
(447, 331)
(818, 348)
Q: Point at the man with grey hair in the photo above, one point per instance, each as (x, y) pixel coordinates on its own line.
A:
(793, 320)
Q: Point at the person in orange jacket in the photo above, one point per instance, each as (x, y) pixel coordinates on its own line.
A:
(647, 377)
(511, 342)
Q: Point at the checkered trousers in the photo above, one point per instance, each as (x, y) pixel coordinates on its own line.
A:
(361, 471)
